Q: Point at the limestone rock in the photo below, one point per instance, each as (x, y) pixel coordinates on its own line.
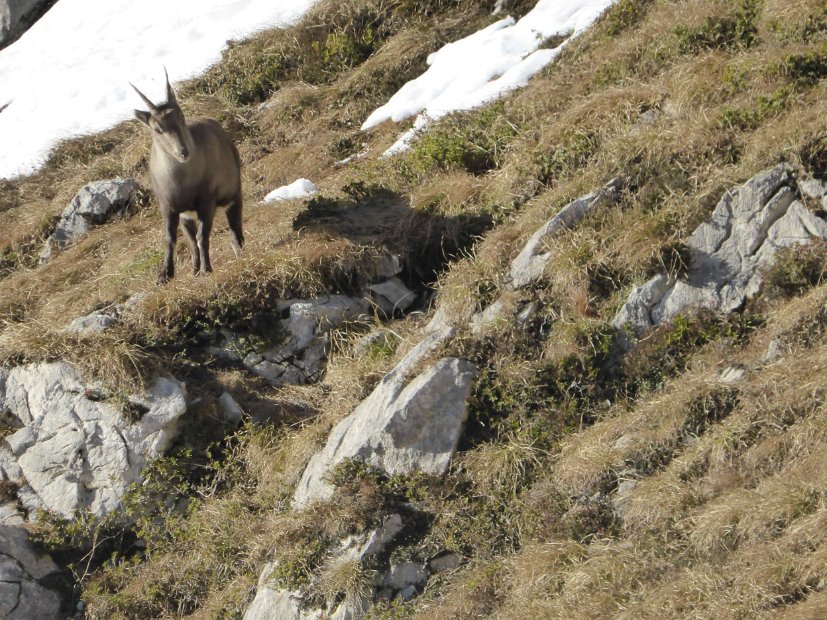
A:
(95, 204)
(391, 297)
(300, 359)
(17, 15)
(493, 314)
(271, 602)
(274, 602)
(528, 267)
(76, 450)
(402, 426)
(373, 543)
(402, 576)
(229, 409)
(92, 323)
(813, 188)
(444, 562)
(21, 595)
(729, 253)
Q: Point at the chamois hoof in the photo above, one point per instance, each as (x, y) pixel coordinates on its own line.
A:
(162, 279)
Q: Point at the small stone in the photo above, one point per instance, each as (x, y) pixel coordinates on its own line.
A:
(391, 296)
(403, 575)
(527, 312)
(774, 350)
(649, 116)
(389, 265)
(490, 316)
(230, 410)
(732, 374)
(252, 359)
(92, 323)
(444, 563)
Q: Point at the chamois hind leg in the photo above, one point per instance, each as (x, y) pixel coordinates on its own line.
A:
(205, 217)
(234, 220)
(190, 229)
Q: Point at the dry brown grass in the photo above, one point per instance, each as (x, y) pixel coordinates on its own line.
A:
(727, 513)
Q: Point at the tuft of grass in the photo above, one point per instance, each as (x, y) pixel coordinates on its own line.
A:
(733, 31)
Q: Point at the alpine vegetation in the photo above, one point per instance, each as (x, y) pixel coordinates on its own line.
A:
(194, 167)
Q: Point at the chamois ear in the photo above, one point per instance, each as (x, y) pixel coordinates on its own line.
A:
(142, 116)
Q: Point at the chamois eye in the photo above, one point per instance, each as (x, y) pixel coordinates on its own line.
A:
(157, 130)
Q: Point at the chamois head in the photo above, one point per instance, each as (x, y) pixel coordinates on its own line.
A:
(169, 128)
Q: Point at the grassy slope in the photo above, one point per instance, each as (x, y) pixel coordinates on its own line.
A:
(726, 516)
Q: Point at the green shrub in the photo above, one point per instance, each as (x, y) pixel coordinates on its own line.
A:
(796, 270)
(473, 141)
(624, 15)
(573, 153)
(727, 32)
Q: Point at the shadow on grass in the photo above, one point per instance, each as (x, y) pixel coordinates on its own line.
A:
(424, 241)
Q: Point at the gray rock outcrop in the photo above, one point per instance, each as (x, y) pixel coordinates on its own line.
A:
(528, 267)
(402, 426)
(301, 357)
(272, 601)
(17, 15)
(95, 204)
(75, 450)
(22, 597)
(728, 254)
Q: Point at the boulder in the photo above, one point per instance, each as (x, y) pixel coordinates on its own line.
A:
(728, 254)
(22, 597)
(402, 426)
(16, 16)
(95, 204)
(528, 267)
(75, 449)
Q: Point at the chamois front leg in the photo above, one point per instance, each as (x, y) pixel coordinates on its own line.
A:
(205, 218)
(168, 272)
(190, 230)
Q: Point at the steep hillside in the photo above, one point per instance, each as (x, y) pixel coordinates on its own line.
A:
(670, 471)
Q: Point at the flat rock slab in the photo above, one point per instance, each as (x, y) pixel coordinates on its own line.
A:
(728, 254)
(402, 426)
(76, 451)
(21, 567)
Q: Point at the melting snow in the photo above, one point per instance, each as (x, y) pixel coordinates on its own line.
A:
(67, 76)
(298, 189)
(484, 66)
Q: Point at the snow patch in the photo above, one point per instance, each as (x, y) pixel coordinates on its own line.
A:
(486, 65)
(302, 188)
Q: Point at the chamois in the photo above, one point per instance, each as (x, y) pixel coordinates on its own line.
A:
(194, 167)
